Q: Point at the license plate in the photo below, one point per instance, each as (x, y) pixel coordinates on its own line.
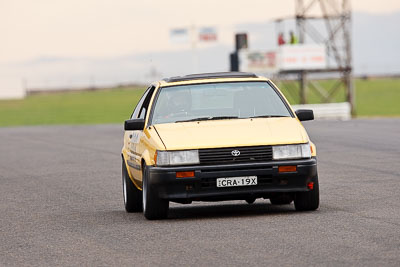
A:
(237, 181)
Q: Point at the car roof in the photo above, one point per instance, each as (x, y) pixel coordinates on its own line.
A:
(210, 77)
(200, 76)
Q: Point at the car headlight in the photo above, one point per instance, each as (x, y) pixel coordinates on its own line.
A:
(184, 157)
(291, 151)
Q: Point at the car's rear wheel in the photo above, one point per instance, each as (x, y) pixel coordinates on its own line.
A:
(309, 200)
(281, 199)
(132, 195)
(154, 208)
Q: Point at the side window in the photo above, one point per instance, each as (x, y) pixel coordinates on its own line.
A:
(139, 105)
(146, 102)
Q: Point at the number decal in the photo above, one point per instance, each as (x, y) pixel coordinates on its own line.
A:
(135, 137)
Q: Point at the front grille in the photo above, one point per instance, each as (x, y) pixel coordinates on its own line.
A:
(224, 155)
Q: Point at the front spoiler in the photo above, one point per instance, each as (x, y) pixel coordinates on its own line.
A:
(202, 187)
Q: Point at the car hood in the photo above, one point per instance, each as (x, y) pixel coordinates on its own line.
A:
(231, 133)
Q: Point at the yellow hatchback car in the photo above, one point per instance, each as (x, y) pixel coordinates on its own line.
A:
(217, 136)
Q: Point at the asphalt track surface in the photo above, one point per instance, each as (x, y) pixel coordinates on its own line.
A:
(61, 204)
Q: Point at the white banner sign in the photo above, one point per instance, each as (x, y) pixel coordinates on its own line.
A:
(286, 57)
(179, 36)
(301, 57)
(207, 34)
(258, 61)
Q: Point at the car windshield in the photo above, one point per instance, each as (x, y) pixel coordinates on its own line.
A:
(213, 101)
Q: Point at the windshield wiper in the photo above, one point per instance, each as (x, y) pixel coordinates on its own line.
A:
(210, 118)
(269, 116)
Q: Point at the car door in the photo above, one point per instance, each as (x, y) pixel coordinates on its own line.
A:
(134, 159)
(132, 139)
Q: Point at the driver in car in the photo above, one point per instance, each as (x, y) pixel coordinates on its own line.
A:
(177, 104)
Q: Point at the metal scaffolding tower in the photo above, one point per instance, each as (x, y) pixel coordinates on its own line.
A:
(325, 22)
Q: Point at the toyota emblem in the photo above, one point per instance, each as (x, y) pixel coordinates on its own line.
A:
(235, 153)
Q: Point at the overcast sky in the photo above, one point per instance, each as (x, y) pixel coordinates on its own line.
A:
(102, 28)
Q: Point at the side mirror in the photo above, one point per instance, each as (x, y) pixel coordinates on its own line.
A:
(134, 124)
(305, 114)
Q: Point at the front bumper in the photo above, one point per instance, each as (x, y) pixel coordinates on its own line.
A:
(203, 186)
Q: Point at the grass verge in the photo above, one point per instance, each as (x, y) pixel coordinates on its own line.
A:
(379, 97)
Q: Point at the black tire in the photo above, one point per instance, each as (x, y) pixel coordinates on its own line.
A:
(132, 195)
(154, 208)
(305, 201)
(281, 199)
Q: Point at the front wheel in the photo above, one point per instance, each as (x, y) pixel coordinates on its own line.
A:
(309, 200)
(132, 195)
(154, 208)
